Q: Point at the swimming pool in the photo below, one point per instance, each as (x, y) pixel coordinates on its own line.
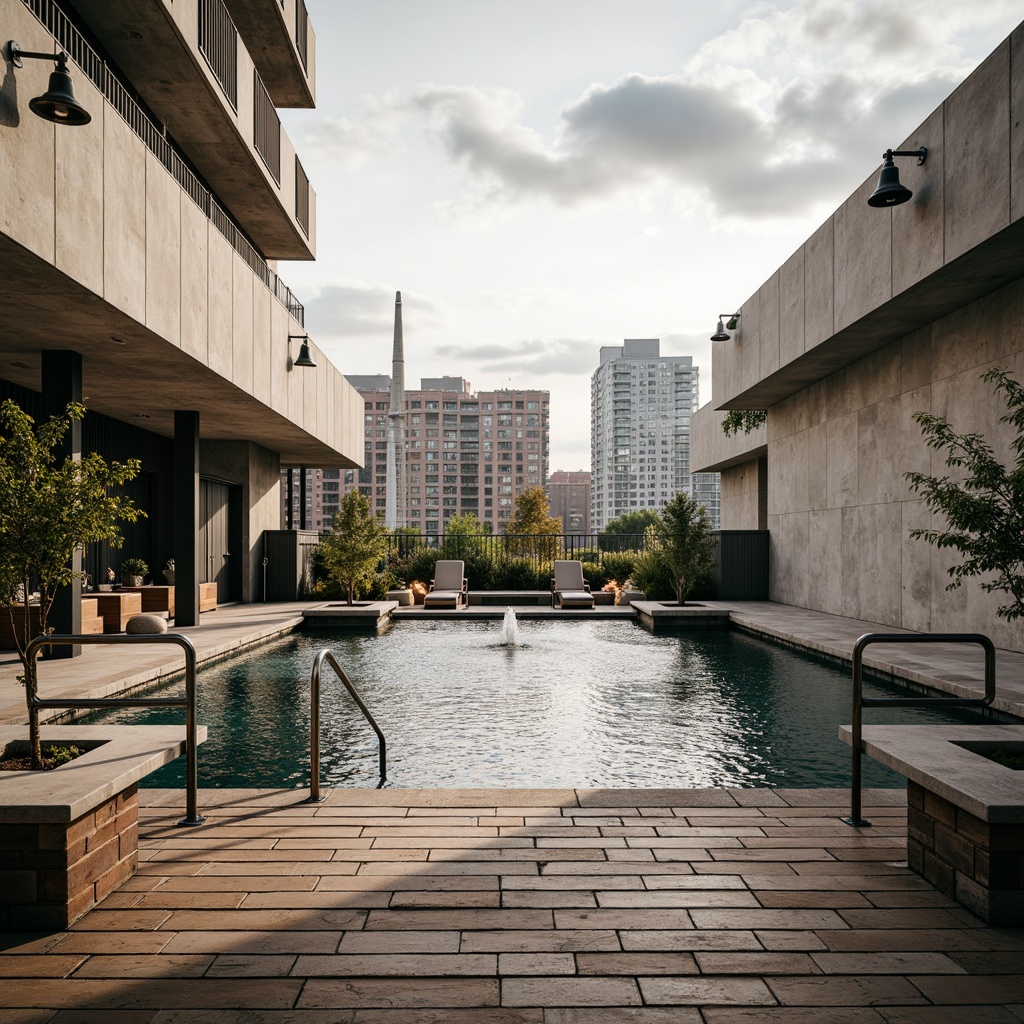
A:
(580, 703)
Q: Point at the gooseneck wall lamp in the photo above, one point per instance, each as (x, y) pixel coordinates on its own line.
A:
(58, 103)
(889, 191)
(305, 359)
(720, 332)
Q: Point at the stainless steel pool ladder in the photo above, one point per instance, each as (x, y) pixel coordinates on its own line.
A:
(314, 722)
(188, 702)
(860, 701)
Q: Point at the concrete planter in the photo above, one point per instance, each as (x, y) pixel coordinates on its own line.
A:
(965, 812)
(70, 836)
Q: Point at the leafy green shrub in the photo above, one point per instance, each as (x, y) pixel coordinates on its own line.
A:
(421, 566)
(595, 574)
(517, 574)
(619, 565)
(652, 575)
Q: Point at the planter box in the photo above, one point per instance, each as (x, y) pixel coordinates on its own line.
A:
(70, 836)
(965, 812)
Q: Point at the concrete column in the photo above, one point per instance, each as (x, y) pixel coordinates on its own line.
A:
(62, 383)
(289, 518)
(186, 518)
(303, 484)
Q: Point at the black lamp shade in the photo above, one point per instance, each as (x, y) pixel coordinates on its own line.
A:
(304, 357)
(720, 334)
(889, 191)
(58, 103)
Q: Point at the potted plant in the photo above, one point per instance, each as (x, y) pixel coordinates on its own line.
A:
(169, 572)
(133, 572)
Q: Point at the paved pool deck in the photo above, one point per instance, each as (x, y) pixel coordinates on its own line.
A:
(103, 671)
(520, 907)
(508, 906)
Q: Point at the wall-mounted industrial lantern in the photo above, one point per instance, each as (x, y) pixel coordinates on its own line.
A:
(305, 359)
(731, 325)
(58, 104)
(889, 191)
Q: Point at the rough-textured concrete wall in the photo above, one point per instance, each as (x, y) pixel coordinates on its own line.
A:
(743, 496)
(258, 471)
(840, 512)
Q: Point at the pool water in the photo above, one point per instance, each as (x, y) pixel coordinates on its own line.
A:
(576, 703)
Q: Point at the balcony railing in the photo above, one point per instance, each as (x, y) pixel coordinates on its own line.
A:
(155, 138)
(302, 33)
(301, 197)
(266, 127)
(218, 43)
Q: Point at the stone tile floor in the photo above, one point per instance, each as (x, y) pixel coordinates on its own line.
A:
(520, 907)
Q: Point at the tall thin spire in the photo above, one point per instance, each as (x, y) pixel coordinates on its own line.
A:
(395, 507)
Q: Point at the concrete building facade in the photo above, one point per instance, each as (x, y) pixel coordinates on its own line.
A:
(138, 255)
(640, 408)
(466, 451)
(882, 313)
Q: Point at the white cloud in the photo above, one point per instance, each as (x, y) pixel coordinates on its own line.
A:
(765, 120)
(374, 131)
(356, 309)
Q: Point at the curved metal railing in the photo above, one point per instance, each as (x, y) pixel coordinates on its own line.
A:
(860, 701)
(188, 702)
(314, 722)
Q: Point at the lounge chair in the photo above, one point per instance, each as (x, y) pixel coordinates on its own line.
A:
(448, 588)
(568, 587)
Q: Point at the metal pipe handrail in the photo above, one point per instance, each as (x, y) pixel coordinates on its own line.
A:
(860, 701)
(188, 702)
(314, 722)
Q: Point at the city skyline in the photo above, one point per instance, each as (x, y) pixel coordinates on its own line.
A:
(622, 173)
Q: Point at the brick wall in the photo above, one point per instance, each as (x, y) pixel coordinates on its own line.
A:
(978, 863)
(51, 874)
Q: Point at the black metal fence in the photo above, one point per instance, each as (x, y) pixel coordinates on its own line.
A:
(218, 43)
(536, 548)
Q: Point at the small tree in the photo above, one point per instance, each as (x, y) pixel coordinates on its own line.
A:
(47, 512)
(683, 535)
(357, 542)
(532, 518)
(985, 513)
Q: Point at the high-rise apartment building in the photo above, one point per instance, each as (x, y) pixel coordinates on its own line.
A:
(640, 408)
(465, 451)
(569, 495)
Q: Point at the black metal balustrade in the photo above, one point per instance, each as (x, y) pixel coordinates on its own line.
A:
(218, 43)
(266, 127)
(302, 33)
(301, 197)
(154, 136)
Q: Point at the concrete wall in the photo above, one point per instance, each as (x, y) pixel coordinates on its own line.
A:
(840, 511)
(258, 471)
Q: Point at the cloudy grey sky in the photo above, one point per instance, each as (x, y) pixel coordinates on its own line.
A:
(543, 177)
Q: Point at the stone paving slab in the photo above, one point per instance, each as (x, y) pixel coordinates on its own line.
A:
(217, 929)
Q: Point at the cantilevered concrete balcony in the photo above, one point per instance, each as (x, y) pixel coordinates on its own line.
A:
(190, 66)
(279, 36)
(107, 248)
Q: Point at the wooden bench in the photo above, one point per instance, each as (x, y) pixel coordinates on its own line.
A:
(117, 608)
(207, 597)
(92, 621)
(156, 599)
